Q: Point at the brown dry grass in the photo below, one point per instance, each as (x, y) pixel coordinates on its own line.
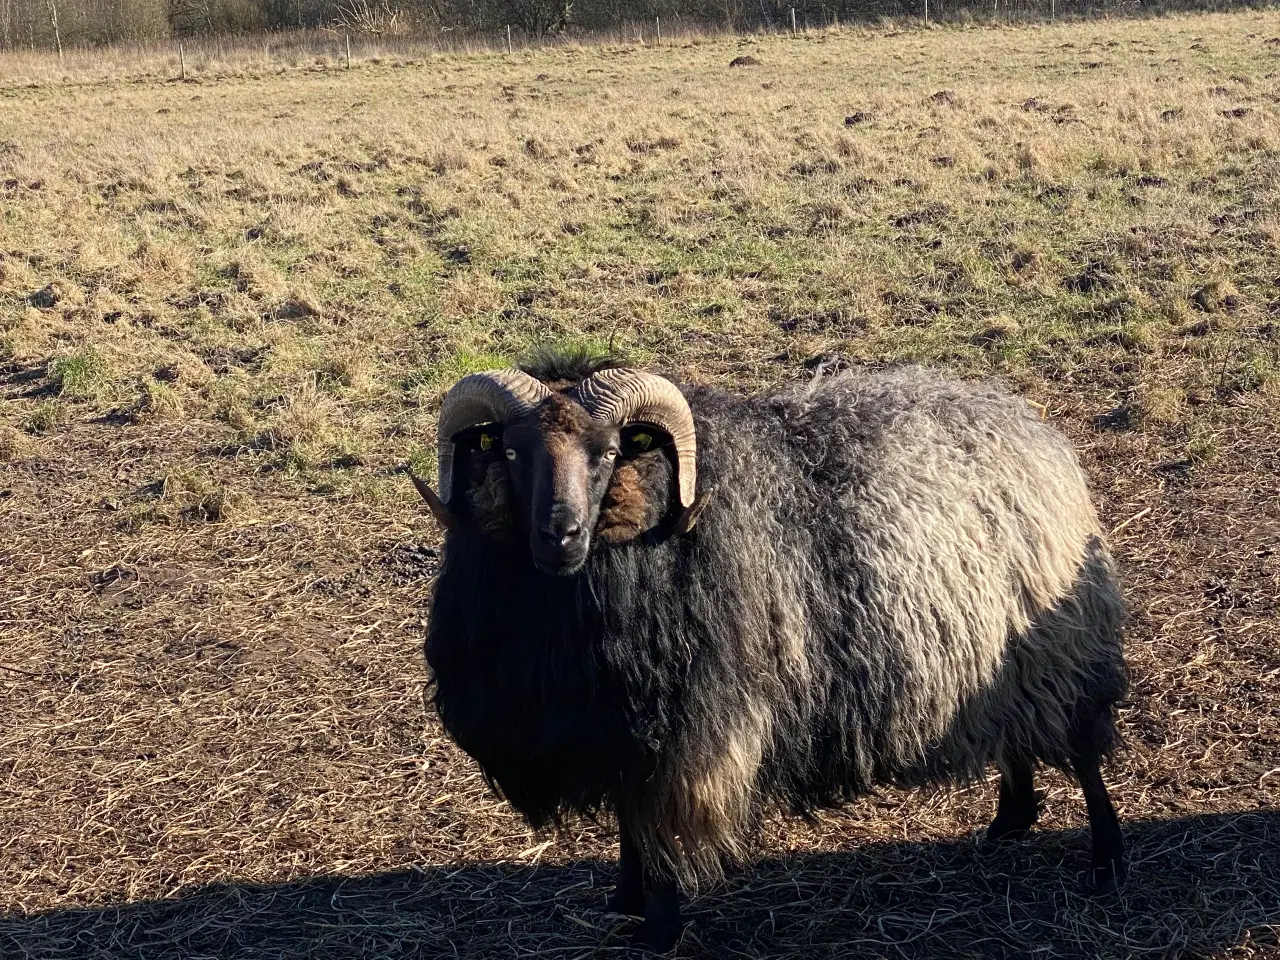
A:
(227, 311)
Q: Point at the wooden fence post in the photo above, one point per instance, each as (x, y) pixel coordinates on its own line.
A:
(793, 21)
(657, 30)
(348, 49)
(182, 63)
(508, 39)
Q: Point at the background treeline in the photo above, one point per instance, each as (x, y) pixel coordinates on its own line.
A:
(50, 24)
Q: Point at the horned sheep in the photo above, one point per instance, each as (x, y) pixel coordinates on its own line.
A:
(686, 607)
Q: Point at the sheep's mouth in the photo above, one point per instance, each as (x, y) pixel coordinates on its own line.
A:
(561, 564)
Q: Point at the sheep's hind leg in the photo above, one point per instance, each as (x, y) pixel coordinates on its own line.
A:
(628, 896)
(1109, 870)
(1019, 805)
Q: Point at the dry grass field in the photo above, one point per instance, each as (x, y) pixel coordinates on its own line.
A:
(228, 309)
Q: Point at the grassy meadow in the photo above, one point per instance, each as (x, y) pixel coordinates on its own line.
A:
(229, 308)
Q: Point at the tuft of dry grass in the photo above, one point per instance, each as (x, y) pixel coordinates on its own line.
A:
(228, 310)
(14, 444)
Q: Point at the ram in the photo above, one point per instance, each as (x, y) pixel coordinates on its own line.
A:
(688, 608)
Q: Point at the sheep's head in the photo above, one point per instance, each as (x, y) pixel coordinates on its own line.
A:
(602, 460)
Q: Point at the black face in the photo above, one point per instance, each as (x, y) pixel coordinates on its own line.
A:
(558, 482)
(548, 477)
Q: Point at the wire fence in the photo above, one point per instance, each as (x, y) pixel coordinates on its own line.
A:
(359, 33)
(801, 20)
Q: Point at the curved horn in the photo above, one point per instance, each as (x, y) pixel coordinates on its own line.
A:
(621, 395)
(495, 396)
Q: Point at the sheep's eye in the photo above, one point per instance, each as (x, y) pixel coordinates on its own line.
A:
(611, 454)
(511, 454)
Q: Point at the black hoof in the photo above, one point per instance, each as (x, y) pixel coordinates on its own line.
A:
(627, 903)
(1106, 880)
(657, 934)
(1000, 837)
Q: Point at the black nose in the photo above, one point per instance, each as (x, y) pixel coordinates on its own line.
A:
(561, 533)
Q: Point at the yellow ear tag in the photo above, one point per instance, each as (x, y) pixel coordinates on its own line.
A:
(642, 440)
(486, 442)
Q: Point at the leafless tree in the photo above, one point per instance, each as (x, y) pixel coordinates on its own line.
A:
(53, 19)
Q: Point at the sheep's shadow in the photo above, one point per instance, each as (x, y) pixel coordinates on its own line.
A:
(1199, 885)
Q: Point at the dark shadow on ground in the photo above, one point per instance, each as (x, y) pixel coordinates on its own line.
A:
(32, 381)
(1198, 886)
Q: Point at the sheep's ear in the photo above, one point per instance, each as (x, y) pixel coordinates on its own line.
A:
(694, 511)
(439, 509)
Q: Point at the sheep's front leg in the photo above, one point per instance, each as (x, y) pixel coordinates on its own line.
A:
(628, 896)
(647, 893)
(662, 922)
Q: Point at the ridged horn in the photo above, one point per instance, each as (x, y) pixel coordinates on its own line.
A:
(621, 395)
(494, 396)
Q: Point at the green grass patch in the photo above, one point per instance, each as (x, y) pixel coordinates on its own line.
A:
(79, 376)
